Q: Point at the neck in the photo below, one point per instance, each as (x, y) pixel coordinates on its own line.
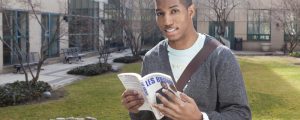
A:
(185, 43)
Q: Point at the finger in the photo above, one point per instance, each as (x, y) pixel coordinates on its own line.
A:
(128, 103)
(165, 111)
(165, 101)
(186, 98)
(172, 96)
(135, 107)
(132, 98)
(129, 98)
(133, 104)
(129, 92)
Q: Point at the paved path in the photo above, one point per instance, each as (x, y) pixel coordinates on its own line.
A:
(56, 74)
(257, 53)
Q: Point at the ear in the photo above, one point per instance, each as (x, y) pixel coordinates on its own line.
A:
(192, 10)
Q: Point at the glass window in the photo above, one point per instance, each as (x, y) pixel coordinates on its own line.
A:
(51, 34)
(15, 35)
(84, 24)
(291, 26)
(113, 31)
(259, 25)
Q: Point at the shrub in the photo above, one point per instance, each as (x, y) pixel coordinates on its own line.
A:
(91, 69)
(295, 54)
(143, 52)
(19, 92)
(127, 59)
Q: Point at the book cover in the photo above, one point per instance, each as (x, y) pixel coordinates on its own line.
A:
(148, 86)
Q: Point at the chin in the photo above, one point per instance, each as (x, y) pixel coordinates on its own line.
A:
(173, 38)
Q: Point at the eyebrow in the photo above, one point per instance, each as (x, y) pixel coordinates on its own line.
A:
(174, 6)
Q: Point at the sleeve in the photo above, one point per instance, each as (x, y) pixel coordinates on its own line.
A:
(144, 70)
(142, 115)
(232, 103)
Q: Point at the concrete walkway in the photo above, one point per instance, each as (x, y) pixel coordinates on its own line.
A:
(56, 74)
(257, 53)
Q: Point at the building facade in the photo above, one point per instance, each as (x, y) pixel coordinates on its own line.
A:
(251, 20)
(87, 23)
(57, 24)
(21, 28)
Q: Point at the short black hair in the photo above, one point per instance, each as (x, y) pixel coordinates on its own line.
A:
(187, 3)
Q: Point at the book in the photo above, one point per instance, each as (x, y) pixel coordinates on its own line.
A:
(148, 86)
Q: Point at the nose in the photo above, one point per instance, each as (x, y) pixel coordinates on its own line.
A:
(168, 21)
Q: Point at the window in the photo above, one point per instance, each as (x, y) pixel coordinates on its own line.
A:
(149, 30)
(113, 28)
(291, 30)
(15, 34)
(291, 26)
(84, 24)
(259, 25)
(50, 34)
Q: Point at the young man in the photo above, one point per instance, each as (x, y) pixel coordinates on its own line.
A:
(215, 91)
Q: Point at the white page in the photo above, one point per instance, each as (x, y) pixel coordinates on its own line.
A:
(131, 82)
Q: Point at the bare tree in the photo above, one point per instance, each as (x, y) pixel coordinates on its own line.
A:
(20, 52)
(287, 15)
(221, 10)
(11, 43)
(130, 18)
(45, 45)
(103, 46)
(93, 25)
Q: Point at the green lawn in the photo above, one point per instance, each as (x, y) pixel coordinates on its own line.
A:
(98, 97)
(273, 86)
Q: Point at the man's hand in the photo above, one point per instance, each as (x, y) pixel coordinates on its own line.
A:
(132, 100)
(183, 108)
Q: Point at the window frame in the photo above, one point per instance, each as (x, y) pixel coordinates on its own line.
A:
(85, 40)
(49, 28)
(259, 36)
(297, 27)
(14, 35)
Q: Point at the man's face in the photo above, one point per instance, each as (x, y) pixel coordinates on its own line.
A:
(173, 19)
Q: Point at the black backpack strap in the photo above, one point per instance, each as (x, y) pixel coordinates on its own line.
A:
(201, 56)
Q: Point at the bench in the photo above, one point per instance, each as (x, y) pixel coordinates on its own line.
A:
(115, 46)
(72, 53)
(32, 59)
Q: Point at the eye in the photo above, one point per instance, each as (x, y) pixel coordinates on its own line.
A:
(159, 13)
(174, 11)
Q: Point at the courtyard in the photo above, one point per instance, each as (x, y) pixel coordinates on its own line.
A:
(272, 83)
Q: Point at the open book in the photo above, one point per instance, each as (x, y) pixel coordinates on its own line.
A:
(149, 85)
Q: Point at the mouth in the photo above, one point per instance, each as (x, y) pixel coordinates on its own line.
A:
(171, 30)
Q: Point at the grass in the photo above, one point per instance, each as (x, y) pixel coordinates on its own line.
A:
(273, 87)
(272, 83)
(98, 97)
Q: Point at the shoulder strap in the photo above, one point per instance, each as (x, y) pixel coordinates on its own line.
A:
(201, 56)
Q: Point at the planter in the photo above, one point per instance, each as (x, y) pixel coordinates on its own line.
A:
(265, 47)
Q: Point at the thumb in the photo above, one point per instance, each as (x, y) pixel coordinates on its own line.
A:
(186, 98)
